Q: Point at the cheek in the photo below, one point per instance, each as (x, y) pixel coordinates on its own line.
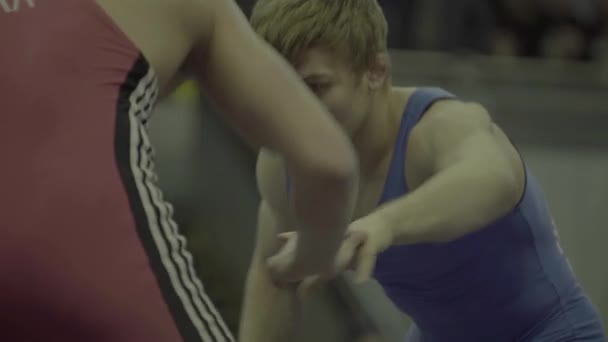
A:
(340, 103)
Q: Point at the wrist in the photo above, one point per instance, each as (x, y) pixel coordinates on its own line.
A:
(319, 247)
(320, 242)
(386, 231)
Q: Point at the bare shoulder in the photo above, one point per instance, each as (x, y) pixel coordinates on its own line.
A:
(459, 116)
(272, 180)
(158, 28)
(450, 121)
(444, 126)
(206, 18)
(198, 18)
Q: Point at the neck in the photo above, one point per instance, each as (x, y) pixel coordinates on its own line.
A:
(375, 138)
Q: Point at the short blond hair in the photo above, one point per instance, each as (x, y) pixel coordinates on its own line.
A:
(355, 28)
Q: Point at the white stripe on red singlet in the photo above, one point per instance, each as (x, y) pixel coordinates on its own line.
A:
(170, 244)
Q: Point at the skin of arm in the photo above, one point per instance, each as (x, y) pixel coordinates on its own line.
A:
(262, 97)
(463, 171)
(270, 312)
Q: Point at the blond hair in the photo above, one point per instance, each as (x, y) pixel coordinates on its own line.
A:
(355, 28)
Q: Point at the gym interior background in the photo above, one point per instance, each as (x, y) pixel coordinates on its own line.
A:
(540, 66)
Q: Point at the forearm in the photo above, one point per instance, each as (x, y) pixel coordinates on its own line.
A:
(282, 114)
(324, 210)
(453, 203)
(270, 313)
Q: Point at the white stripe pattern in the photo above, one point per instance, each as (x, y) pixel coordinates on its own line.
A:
(170, 243)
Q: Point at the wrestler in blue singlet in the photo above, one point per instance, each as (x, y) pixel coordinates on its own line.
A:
(509, 281)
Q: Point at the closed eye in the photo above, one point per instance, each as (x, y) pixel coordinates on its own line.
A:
(319, 87)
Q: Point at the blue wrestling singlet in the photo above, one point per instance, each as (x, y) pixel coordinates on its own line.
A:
(509, 281)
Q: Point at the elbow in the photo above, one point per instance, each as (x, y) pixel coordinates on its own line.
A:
(342, 164)
(337, 166)
(510, 186)
(341, 169)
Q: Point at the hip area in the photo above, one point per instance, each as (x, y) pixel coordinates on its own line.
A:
(575, 319)
(570, 319)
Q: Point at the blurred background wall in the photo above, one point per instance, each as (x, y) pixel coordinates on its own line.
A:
(540, 66)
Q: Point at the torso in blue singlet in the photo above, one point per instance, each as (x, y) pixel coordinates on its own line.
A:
(506, 282)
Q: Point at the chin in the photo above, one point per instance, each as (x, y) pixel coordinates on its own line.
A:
(349, 124)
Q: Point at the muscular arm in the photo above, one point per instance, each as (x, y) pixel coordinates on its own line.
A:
(473, 176)
(270, 313)
(262, 97)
